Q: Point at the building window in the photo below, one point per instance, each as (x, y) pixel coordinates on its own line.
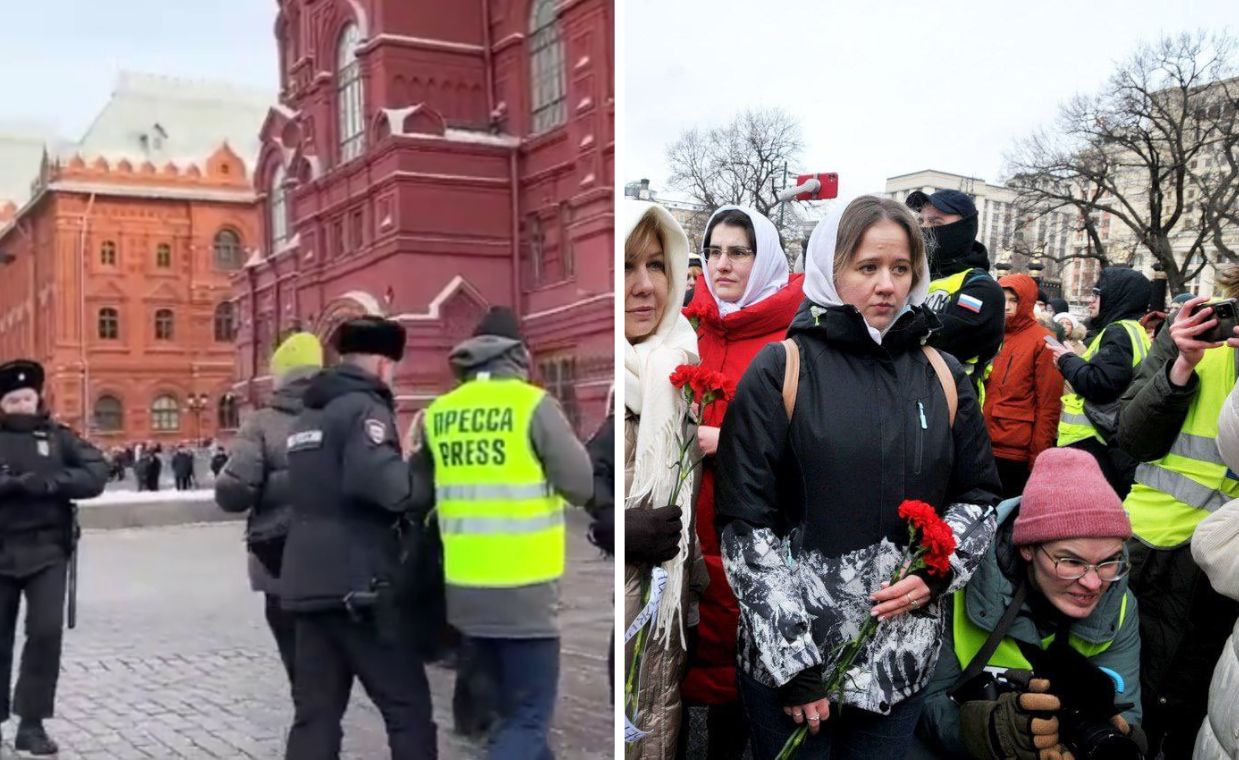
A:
(546, 64)
(279, 209)
(109, 414)
(349, 96)
(227, 250)
(356, 230)
(559, 378)
(107, 253)
(228, 416)
(225, 322)
(163, 324)
(109, 324)
(163, 256)
(537, 251)
(165, 414)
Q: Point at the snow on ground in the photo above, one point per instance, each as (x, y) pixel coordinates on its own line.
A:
(138, 497)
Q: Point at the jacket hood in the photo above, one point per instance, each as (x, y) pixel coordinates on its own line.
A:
(675, 250)
(819, 283)
(1026, 291)
(844, 327)
(340, 380)
(494, 355)
(770, 271)
(1124, 295)
(290, 397)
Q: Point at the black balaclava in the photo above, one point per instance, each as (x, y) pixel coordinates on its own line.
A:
(1124, 295)
(949, 244)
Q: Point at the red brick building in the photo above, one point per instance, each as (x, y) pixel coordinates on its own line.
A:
(116, 258)
(428, 159)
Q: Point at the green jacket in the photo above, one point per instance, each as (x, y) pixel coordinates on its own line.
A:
(986, 597)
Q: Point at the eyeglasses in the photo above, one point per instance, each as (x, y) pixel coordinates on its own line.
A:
(735, 253)
(1096, 293)
(1072, 569)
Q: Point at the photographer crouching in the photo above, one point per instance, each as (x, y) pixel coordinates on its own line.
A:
(1041, 655)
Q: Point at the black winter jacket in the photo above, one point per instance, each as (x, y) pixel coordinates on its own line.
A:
(964, 333)
(1103, 378)
(349, 485)
(808, 510)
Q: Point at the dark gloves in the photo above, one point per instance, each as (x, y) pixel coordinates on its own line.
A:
(652, 536)
(36, 484)
(807, 686)
(1135, 733)
(1020, 726)
(602, 530)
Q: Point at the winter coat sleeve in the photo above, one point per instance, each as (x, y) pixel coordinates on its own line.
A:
(601, 448)
(563, 456)
(86, 472)
(374, 472)
(1047, 402)
(965, 333)
(939, 726)
(748, 512)
(1103, 378)
(1123, 657)
(1215, 547)
(239, 484)
(1154, 408)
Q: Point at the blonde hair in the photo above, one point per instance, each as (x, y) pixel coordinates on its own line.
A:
(644, 236)
(1227, 280)
(868, 210)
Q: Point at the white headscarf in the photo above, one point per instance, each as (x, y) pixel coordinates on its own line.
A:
(770, 271)
(649, 394)
(819, 280)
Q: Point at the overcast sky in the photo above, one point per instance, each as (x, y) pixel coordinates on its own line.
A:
(880, 88)
(62, 56)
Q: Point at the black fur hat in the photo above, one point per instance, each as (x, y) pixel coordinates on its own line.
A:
(500, 321)
(21, 373)
(371, 335)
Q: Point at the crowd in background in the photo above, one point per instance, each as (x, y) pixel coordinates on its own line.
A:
(188, 461)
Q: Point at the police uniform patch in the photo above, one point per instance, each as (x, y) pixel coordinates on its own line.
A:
(376, 431)
(306, 439)
(44, 449)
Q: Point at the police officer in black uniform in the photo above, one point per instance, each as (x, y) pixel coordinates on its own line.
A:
(350, 487)
(43, 466)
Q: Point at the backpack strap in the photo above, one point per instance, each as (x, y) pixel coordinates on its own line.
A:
(944, 377)
(791, 376)
(981, 658)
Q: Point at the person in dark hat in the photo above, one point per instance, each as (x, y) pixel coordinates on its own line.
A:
(967, 300)
(44, 466)
(498, 445)
(695, 269)
(349, 489)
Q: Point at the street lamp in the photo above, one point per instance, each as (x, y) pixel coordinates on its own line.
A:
(196, 403)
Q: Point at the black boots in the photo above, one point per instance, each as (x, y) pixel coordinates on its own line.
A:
(33, 739)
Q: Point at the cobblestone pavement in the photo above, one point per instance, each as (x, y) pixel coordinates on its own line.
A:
(172, 658)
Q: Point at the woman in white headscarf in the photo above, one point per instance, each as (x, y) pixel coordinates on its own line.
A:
(749, 300)
(807, 501)
(657, 532)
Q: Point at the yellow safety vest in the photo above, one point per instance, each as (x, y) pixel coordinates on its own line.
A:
(1073, 424)
(502, 522)
(940, 292)
(1172, 495)
(969, 638)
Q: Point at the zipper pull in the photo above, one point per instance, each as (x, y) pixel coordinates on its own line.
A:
(921, 408)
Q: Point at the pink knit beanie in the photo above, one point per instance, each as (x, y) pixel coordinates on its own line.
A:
(1068, 497)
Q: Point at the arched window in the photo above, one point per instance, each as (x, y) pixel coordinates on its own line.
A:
(279, 209)
(546, 67)
(228, 415)
(163, 324)
(349, 96)
(109, 414)
(227, 250)
(109, 324)
(165, 414)
(107, 253)
(225, 322)
(163, 256)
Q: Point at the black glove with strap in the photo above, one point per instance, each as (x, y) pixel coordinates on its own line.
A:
(652, 536)
(1022, 725)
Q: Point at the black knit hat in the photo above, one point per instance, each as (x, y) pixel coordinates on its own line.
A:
(502, 322)
(21, 373)
(371, 335)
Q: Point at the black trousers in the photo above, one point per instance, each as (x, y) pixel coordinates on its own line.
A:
(476, 700)
(332, 649)
(1014, 476)
(35, 696)
(283, 625)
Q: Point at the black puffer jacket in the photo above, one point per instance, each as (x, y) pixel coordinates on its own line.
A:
(1103, 378)
(962, 332)
(808, 510)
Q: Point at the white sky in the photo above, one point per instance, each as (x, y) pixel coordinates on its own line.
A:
(62, 56)
(881, 88)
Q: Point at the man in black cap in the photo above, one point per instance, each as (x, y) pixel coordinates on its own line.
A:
(497, 459)
(968, 301)
(43, 467)
(349, 488)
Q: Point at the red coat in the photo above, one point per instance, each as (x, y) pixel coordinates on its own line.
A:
(1023, 396)
(727, 346)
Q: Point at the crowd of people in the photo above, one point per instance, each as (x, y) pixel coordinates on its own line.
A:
(147, 461)
(1084, 465)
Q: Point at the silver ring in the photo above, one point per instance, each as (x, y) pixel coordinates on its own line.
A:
(916, 602)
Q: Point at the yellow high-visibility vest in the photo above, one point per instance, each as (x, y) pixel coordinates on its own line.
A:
(940, 292)
(502, 522)
(1073, 424)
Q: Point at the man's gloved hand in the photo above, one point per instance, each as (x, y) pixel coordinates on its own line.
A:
(1016, 725)
(36, 484)
(1135, 733)
(602, 530)
(652, 536)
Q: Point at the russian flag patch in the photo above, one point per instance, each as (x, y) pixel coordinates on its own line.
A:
(970, 303)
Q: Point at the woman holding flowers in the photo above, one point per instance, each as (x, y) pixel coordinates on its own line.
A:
(810, 503)
(657, 508)
(749, 300)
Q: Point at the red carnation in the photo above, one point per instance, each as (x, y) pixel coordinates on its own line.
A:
(936, 538)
